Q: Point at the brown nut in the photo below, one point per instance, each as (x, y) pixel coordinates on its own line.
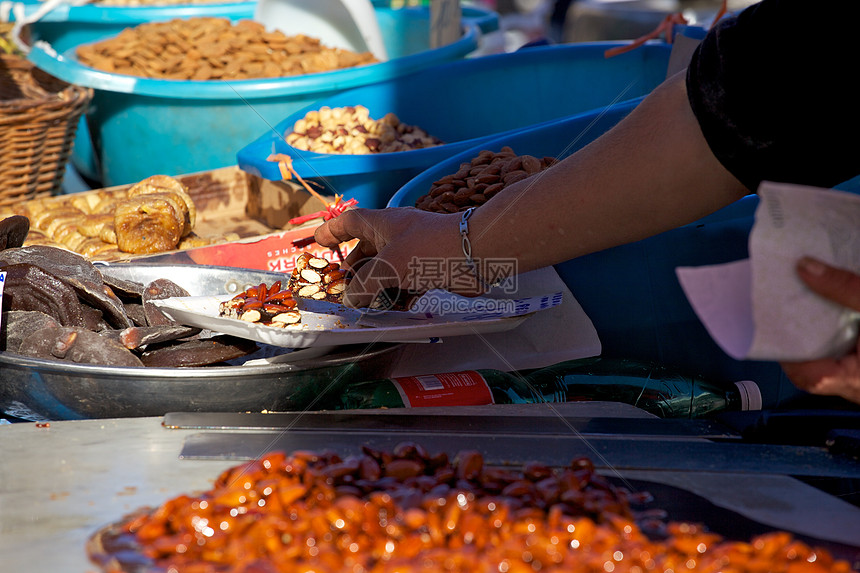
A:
(513, 176)
(403, 468)
(469, 464)
(531, 164)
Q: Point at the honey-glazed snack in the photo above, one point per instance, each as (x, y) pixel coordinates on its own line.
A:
(407, 510)
(150, 223)
(154, 215)
(172, 187)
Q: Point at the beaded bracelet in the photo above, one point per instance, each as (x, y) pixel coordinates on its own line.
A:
(467, 251)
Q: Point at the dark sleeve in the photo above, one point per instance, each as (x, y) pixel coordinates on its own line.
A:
(774, 91)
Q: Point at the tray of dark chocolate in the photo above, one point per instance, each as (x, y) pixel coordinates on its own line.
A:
(82, 340)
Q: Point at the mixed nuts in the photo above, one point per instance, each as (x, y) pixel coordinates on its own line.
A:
(351, 130)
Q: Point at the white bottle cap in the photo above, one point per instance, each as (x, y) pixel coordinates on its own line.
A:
(750, 395)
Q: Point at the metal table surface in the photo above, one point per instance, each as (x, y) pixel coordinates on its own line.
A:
(61, 483)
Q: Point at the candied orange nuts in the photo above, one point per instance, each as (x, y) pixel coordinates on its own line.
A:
(407, 511)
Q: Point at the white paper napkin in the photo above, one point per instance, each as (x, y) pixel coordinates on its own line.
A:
(758, 308)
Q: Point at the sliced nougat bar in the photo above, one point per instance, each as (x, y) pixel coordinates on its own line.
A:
(317, 278)
(264, 304)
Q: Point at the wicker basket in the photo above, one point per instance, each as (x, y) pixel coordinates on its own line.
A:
(39, 115)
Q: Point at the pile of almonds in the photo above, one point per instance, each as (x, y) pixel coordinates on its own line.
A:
(350, 130)
(479, 180)
(208, 48)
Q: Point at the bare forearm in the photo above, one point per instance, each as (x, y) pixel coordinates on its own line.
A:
(653, 172)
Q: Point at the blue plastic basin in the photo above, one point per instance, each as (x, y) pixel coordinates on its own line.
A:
(68, 26)
(137, 127)
(464, 103)
(631, 292)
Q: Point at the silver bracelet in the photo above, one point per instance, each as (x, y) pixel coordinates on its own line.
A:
(467, 250)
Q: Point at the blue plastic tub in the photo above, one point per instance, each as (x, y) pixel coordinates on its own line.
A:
(464, 103)
(137, 127)
(68, 26)
(631, 292)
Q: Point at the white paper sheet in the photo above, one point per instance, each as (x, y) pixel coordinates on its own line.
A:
(563, 332)
(759, 309)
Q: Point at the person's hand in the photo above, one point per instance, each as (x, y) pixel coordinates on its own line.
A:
(828, 376)
(398, 248)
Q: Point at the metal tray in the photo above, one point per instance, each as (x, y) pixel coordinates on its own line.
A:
(198, 280)
(37, 389)
(682, 505)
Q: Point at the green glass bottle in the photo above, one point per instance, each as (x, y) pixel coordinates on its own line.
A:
(652, 387)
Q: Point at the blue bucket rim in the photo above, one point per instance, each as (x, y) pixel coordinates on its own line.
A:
(486, 18)
(66, 67)
(313, 164)
(99, 14)
(496, 142)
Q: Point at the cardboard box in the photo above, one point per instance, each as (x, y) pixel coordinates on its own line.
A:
(230, 201)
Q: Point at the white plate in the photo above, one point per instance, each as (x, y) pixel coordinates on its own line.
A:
(327, 324)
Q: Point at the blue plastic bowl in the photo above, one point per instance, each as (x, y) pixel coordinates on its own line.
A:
(137, 127)
(631, 292)
(464, 103)
(68, 26)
